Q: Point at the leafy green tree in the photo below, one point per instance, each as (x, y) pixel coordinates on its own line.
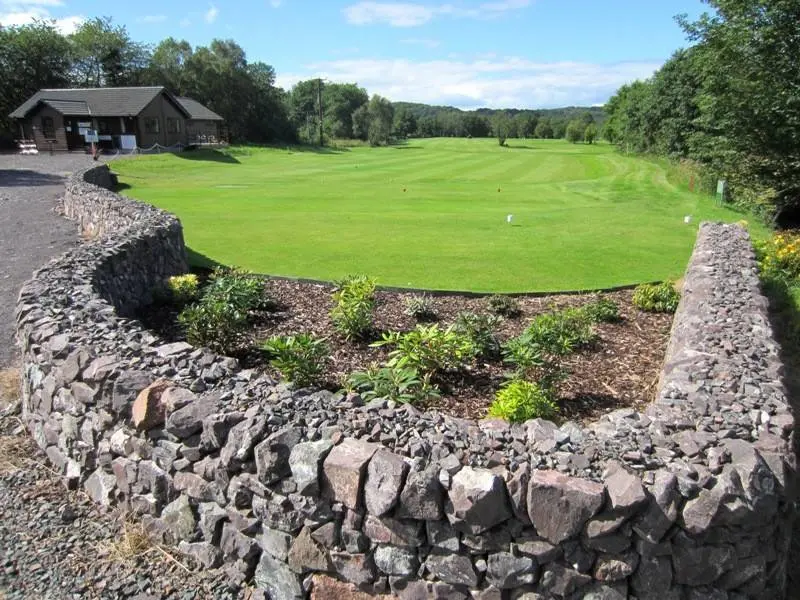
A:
(405, 123)
(590, 133)
(339, 101)
(168, 66)
(361, 122)
(31, 57)
(380, 113)
(501, 128)
(476, 125)
(544, 130)
(105, 55)
(575, 131)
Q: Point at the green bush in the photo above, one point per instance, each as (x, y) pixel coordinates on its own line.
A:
(299, 358)
(420, 307)
(657, 297)
(241, 290)
(400, 384)
(221, 316)
(353, 303)
(428, 349)
(183, 289)
(481, 330)
(561, 332)
(214, 324)
(505, 306)
(602, 310)
(523, 355)
(519, 400)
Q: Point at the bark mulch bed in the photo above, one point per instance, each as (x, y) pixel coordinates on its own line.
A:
(620, 370)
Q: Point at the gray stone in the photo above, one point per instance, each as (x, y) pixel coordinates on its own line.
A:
(422, 496)
(758, 480)
(126, 388)
(83, 392)
(305, 462)
(442, 535)
(662, 512)
(452, 568)
(579, 558)
(517, 486)
(559, 505)
(327, 535)
(604, 524)
(602, 591)
(542, 550)
(179, 519)
(242, 438)
(357, 569)
(701, 565)
(396, 561)
(277, 579)
(653, 579)
(307, 555)
(100, 486)
(386, 475)
(272, 455)
(237, 545)
(610, 544)
(506, 571)
(625, 490)
(216, 428)
(188, 420)
(394, 531)
(723, 503)
(610, 568)
(212, 517)
(477, 500)
(344, 471)
(561, 581)
(277, 543)
(197, 488)
(208, 555)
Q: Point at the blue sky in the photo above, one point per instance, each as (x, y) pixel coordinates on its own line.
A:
(468, 53)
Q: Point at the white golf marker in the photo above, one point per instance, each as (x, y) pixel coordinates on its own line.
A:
(687, 219)
(508, 218)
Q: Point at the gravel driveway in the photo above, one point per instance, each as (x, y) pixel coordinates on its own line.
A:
(31, 232)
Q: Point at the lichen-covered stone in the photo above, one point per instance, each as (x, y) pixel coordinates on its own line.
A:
(386, 475)
(422, 496)
(477, 500)
(305, 462)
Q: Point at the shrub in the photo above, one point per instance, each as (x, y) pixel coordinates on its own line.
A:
(214, 324)
(219, 319)
(241, 290)
(523, 355)
(183, 289)
(420, 307)
(400, 384)
(779, 257)
(519, 400)
(602, 310)
(657, 297)
(480, 329)
(299, 358)
(561, 332)
(428, 348)
(505, 306)
(354, 301)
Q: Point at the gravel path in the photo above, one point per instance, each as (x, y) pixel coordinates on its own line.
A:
(30, 230)
(56, 544)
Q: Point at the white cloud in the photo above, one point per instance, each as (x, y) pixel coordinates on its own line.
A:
(399, 14)
(421, 42)
(22, 12)
(275, 3)
(497, 82)
(211, 14)
(150, 19)
(396, 15)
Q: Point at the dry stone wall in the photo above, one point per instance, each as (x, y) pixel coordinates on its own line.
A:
(691, 499)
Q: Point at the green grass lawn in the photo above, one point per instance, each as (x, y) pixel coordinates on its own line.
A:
(432, 214)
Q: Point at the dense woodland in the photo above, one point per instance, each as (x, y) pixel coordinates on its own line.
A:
(729, 105)
(102, 53)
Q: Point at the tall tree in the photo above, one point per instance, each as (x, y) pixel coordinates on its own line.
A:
(168, 66)
(381, 116)
(31, 57)
(105, 55)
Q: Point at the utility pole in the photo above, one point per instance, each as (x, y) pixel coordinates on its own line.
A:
(319, 104)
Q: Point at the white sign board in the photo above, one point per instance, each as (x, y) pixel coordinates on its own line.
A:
(91, 136)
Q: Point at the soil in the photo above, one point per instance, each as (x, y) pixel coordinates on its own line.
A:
(620, 370)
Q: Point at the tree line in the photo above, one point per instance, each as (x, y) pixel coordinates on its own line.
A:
(101, 53)
(729, 105)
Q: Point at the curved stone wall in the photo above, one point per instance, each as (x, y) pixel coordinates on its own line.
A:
(692, 499)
